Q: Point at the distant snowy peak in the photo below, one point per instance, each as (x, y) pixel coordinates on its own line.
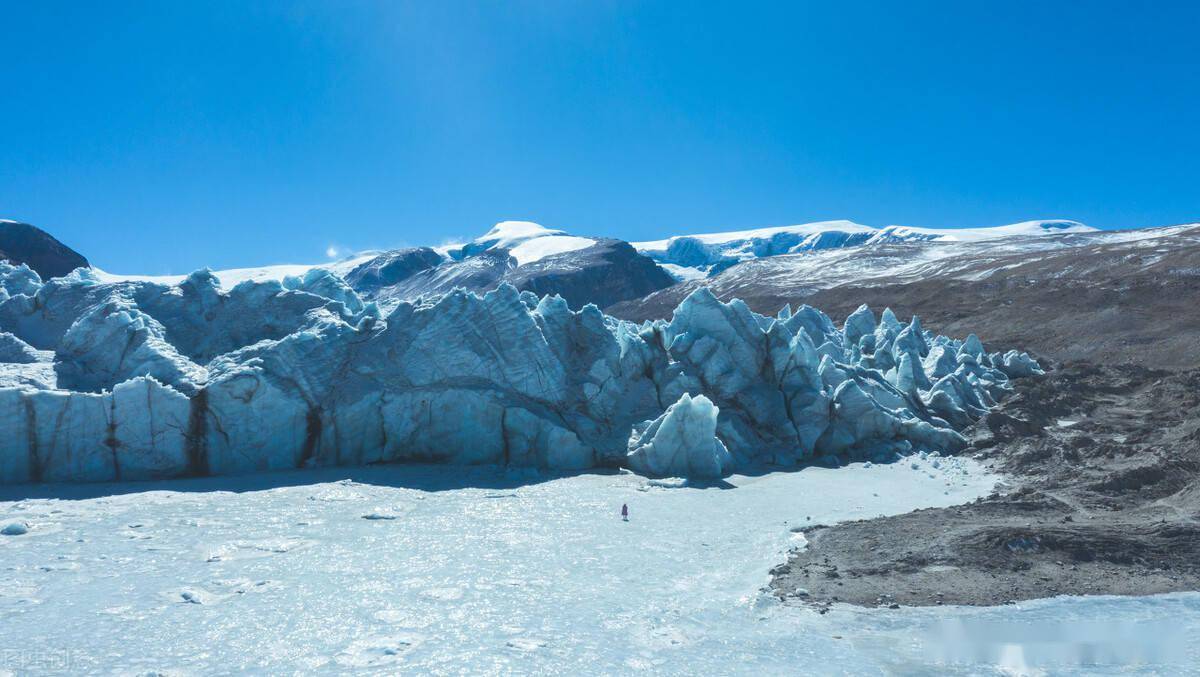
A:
(508, 234)
(737, 236)
(228, 279)
(1023, 229)
(526, 255)
(689, 256)
(527, 242)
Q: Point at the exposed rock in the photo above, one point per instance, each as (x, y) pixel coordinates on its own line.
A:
(1106, 466)
(23, 243)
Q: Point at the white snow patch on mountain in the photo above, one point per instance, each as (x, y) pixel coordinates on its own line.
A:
(682, 273)
(525, 241)
(508, 234)
(539, 248)
(761, 233)
(1025, 228)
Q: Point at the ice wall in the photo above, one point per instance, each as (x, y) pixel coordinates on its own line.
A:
(162, 381)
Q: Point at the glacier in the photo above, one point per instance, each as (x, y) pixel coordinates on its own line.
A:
(707, 254)
(108, 380)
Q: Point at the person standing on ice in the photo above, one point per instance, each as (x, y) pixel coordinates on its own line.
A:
(625, 511)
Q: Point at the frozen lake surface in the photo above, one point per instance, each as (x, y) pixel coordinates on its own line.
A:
(475, 570)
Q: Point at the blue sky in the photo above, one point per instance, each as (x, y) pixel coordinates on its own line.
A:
(160, 137)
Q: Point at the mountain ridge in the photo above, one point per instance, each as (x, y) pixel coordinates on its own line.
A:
(24, 243)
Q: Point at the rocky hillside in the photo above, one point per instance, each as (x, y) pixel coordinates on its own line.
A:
(1113, 296)
(23, 243)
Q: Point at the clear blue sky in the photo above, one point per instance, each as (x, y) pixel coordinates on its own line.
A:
(164, 136)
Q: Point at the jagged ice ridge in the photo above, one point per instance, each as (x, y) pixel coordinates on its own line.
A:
(151, 380)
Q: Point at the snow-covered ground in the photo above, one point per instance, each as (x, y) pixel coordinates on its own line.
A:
(452, 570)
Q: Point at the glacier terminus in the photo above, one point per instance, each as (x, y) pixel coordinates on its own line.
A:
(124, 380)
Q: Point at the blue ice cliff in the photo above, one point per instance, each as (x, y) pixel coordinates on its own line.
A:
(136, 380)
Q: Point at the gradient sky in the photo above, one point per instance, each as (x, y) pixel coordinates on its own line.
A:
(160, 137)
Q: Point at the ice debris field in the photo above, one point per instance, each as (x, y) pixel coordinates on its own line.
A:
(110, 381)
(432, 569)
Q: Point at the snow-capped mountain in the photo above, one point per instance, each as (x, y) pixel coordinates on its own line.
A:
(526, 255)
(525, 241)
(690, 257)
(602, 270)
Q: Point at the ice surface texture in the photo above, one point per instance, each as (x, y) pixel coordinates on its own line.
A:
(160, 380)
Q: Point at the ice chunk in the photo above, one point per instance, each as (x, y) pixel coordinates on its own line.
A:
(860, 323)
(940, 362)
(681, 443)
(972, 346)
(911, 340)
(322, 282)
(889, 323)
(15, 351)
(113, 342)
(17, 280)
(1017, 365)
(15, 529)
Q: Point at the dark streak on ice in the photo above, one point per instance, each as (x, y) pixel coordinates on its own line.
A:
(197, 434)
